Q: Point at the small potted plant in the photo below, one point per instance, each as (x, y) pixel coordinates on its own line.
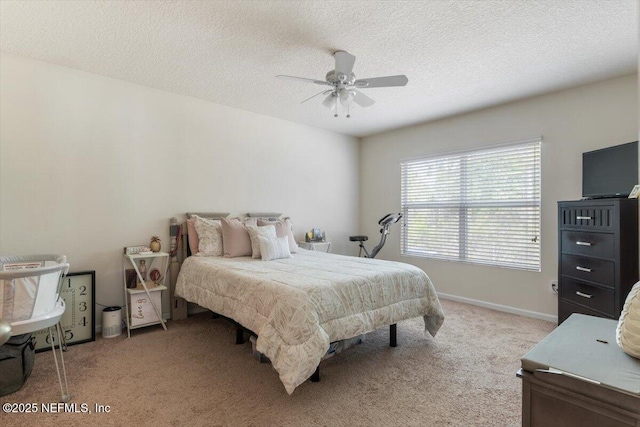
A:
(155, 244)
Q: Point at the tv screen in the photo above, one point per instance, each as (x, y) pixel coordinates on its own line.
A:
(610, 172)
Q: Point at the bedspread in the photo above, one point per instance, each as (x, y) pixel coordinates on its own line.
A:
(298, 306)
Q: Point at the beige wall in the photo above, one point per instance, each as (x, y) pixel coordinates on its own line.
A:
(90, 164)
(571, 122)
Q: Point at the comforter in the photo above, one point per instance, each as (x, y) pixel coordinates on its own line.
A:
(298, 306)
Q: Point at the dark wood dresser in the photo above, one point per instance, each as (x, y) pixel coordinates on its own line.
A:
(597, 256)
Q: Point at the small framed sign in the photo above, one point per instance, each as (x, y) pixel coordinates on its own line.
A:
(635, 192)
(79, 320)
(131, 250)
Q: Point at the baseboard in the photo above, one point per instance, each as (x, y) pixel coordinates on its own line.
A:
(165, 316)
(499, 307)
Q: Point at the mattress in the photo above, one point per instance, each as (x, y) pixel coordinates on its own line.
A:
(299, 305)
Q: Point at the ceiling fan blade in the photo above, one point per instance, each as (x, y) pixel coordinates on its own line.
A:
(324, 92)
(330, 102)
(361, 99)
(344, 63)
(386, 81)
(302, 79)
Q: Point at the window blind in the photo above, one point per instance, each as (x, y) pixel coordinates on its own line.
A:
(480, 206)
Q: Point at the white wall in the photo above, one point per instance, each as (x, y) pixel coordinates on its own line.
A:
(90, 164)
(571, 122)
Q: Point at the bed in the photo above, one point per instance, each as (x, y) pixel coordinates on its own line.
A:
(298, 306)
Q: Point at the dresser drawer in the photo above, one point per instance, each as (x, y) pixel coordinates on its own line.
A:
(592, 297)
(587, 217)
(567, 308)
(600, 245)
(591, 269)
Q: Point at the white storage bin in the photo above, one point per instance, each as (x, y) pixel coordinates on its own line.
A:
(142, 311)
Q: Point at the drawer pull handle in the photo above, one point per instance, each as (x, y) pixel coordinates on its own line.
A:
(583, 295)
(583, 243)
(585, 269)
(588, 218)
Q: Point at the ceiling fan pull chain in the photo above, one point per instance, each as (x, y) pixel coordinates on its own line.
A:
(348, 111)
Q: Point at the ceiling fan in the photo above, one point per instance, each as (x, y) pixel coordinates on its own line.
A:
(344, 86)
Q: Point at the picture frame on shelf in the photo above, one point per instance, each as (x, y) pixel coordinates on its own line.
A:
(132, 250)
(315, 235)
(635, 192)
(131, 277)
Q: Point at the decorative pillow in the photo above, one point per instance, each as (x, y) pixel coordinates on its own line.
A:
(235, 238)
(274, 248)
(250, 221)
(209, 236)
(284, 228)
(193, 236)
(255, 231)
(293, 246)
(628, 330)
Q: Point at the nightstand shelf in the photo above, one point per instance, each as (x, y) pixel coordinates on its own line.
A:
(144, 302)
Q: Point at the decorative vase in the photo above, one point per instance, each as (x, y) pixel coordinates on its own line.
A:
(155, 244)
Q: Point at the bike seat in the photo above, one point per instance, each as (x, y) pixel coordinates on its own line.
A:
(358, 238)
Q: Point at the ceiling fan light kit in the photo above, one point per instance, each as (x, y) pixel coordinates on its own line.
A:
(344, 85)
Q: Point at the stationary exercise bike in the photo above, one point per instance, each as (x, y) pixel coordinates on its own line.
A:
(385, 222)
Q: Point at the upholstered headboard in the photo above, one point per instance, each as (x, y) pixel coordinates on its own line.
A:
(270, 215)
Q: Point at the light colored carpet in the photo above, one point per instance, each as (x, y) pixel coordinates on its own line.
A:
(195, 375)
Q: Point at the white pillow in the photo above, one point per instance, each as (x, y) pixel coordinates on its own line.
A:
(283, 228)
(274, 248)
(255, 231)
(210, 236)
(628, 330)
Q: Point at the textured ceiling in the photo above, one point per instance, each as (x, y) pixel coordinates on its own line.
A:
(459, 55)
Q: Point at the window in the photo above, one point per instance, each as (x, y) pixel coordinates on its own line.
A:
(480, 206)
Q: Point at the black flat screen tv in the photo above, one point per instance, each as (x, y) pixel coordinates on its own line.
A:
(610, 172)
